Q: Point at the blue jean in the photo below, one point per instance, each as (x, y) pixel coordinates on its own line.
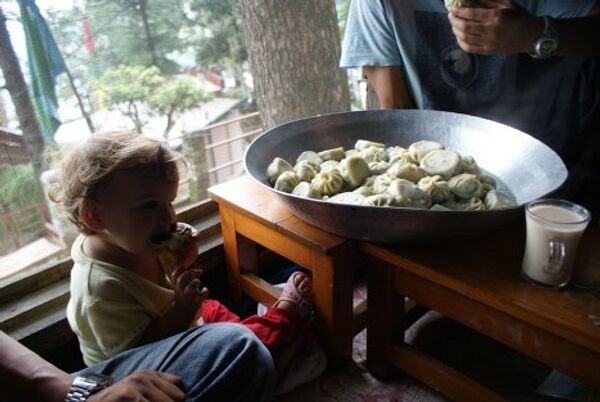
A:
(216, 362)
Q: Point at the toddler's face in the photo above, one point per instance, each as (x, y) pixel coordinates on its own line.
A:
(134, 206)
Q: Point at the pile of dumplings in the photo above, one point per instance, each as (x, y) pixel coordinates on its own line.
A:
(424, 176)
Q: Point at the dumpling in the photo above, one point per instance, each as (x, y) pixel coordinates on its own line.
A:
(362, 144)
(498, 200)
(310, 156)
(328, 182)
(438, 207)
(381, 183)
(379, 167)
(333, 154)
(397, 152)
(287, 181)
(466, 186)
(468, 165)
(380, 200)
(305, 189)
(408, 171)
(436, 187)
(351, 198)
(473, 204)
(489, 183)
(373, 154)
(354, 170)
(407, 194)
(306, 170)
(351, 152)
(442, 162)
(364, 190)
(329, 165)
(276, 168)
(419, 149)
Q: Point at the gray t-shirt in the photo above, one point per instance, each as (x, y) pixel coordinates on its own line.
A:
(556, 100)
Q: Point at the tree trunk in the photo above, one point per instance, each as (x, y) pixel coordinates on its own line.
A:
(3, 116)
(149, 40)
(294, 49)
(15, 83)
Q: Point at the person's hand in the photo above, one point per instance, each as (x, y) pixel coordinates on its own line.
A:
(143, 386)
(494, 27)
(189, 291)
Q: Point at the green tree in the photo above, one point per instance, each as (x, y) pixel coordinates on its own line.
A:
(136, 91)
(138, 32)
(342, 7)
(219, 44)
(176, 95)
(19, 187)
(128, 88)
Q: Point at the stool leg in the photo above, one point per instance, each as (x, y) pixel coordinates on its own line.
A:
(333, 287)
(240, 252)
(385, 313)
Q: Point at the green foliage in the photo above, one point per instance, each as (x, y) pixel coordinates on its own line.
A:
(128, 88)
(137, 32)
(342, 7)
(135, 90)
(221, 43)
(180, 93)
(19, 187)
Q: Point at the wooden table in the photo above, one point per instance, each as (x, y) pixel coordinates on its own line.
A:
(479, 285)
(251, 216)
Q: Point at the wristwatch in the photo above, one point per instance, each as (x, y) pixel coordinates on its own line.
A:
(547, 43)
(85, 386)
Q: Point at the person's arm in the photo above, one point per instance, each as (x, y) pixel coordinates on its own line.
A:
(25, 376)
(390, 86)
(501, 27)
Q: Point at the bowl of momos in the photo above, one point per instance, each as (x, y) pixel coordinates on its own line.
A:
(404, 176)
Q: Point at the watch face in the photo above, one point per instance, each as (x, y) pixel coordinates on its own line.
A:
(546, 46)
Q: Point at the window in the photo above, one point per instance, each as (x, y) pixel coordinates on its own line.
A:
(130, 66)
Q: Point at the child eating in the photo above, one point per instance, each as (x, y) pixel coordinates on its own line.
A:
(118, 189)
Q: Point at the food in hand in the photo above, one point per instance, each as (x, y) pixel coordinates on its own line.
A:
(459, 3)
(172, 247)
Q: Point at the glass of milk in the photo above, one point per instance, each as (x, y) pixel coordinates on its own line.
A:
(554, 228)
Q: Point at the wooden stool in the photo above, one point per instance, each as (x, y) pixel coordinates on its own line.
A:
(250, 216)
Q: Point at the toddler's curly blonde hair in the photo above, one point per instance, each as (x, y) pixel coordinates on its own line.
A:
(91, 164)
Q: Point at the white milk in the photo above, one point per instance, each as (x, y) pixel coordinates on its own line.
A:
(546, 223)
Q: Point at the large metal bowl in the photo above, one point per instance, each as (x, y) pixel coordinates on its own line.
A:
(523, 165)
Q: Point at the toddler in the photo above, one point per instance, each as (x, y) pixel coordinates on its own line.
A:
(118, 189)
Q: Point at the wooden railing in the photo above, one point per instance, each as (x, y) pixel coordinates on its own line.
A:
(226, 142)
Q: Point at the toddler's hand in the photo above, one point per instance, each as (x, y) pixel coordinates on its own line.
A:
(189, 291)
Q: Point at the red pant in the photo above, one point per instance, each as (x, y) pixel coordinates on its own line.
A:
(273, 328)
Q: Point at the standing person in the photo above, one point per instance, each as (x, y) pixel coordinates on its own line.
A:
(118, 189)
(221, 362)
(529, 64)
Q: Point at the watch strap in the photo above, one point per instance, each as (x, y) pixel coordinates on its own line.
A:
(83, 387)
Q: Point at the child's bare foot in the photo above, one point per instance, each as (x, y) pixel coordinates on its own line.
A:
(296, 295)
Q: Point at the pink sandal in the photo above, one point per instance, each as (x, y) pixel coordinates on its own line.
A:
(304, 305)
